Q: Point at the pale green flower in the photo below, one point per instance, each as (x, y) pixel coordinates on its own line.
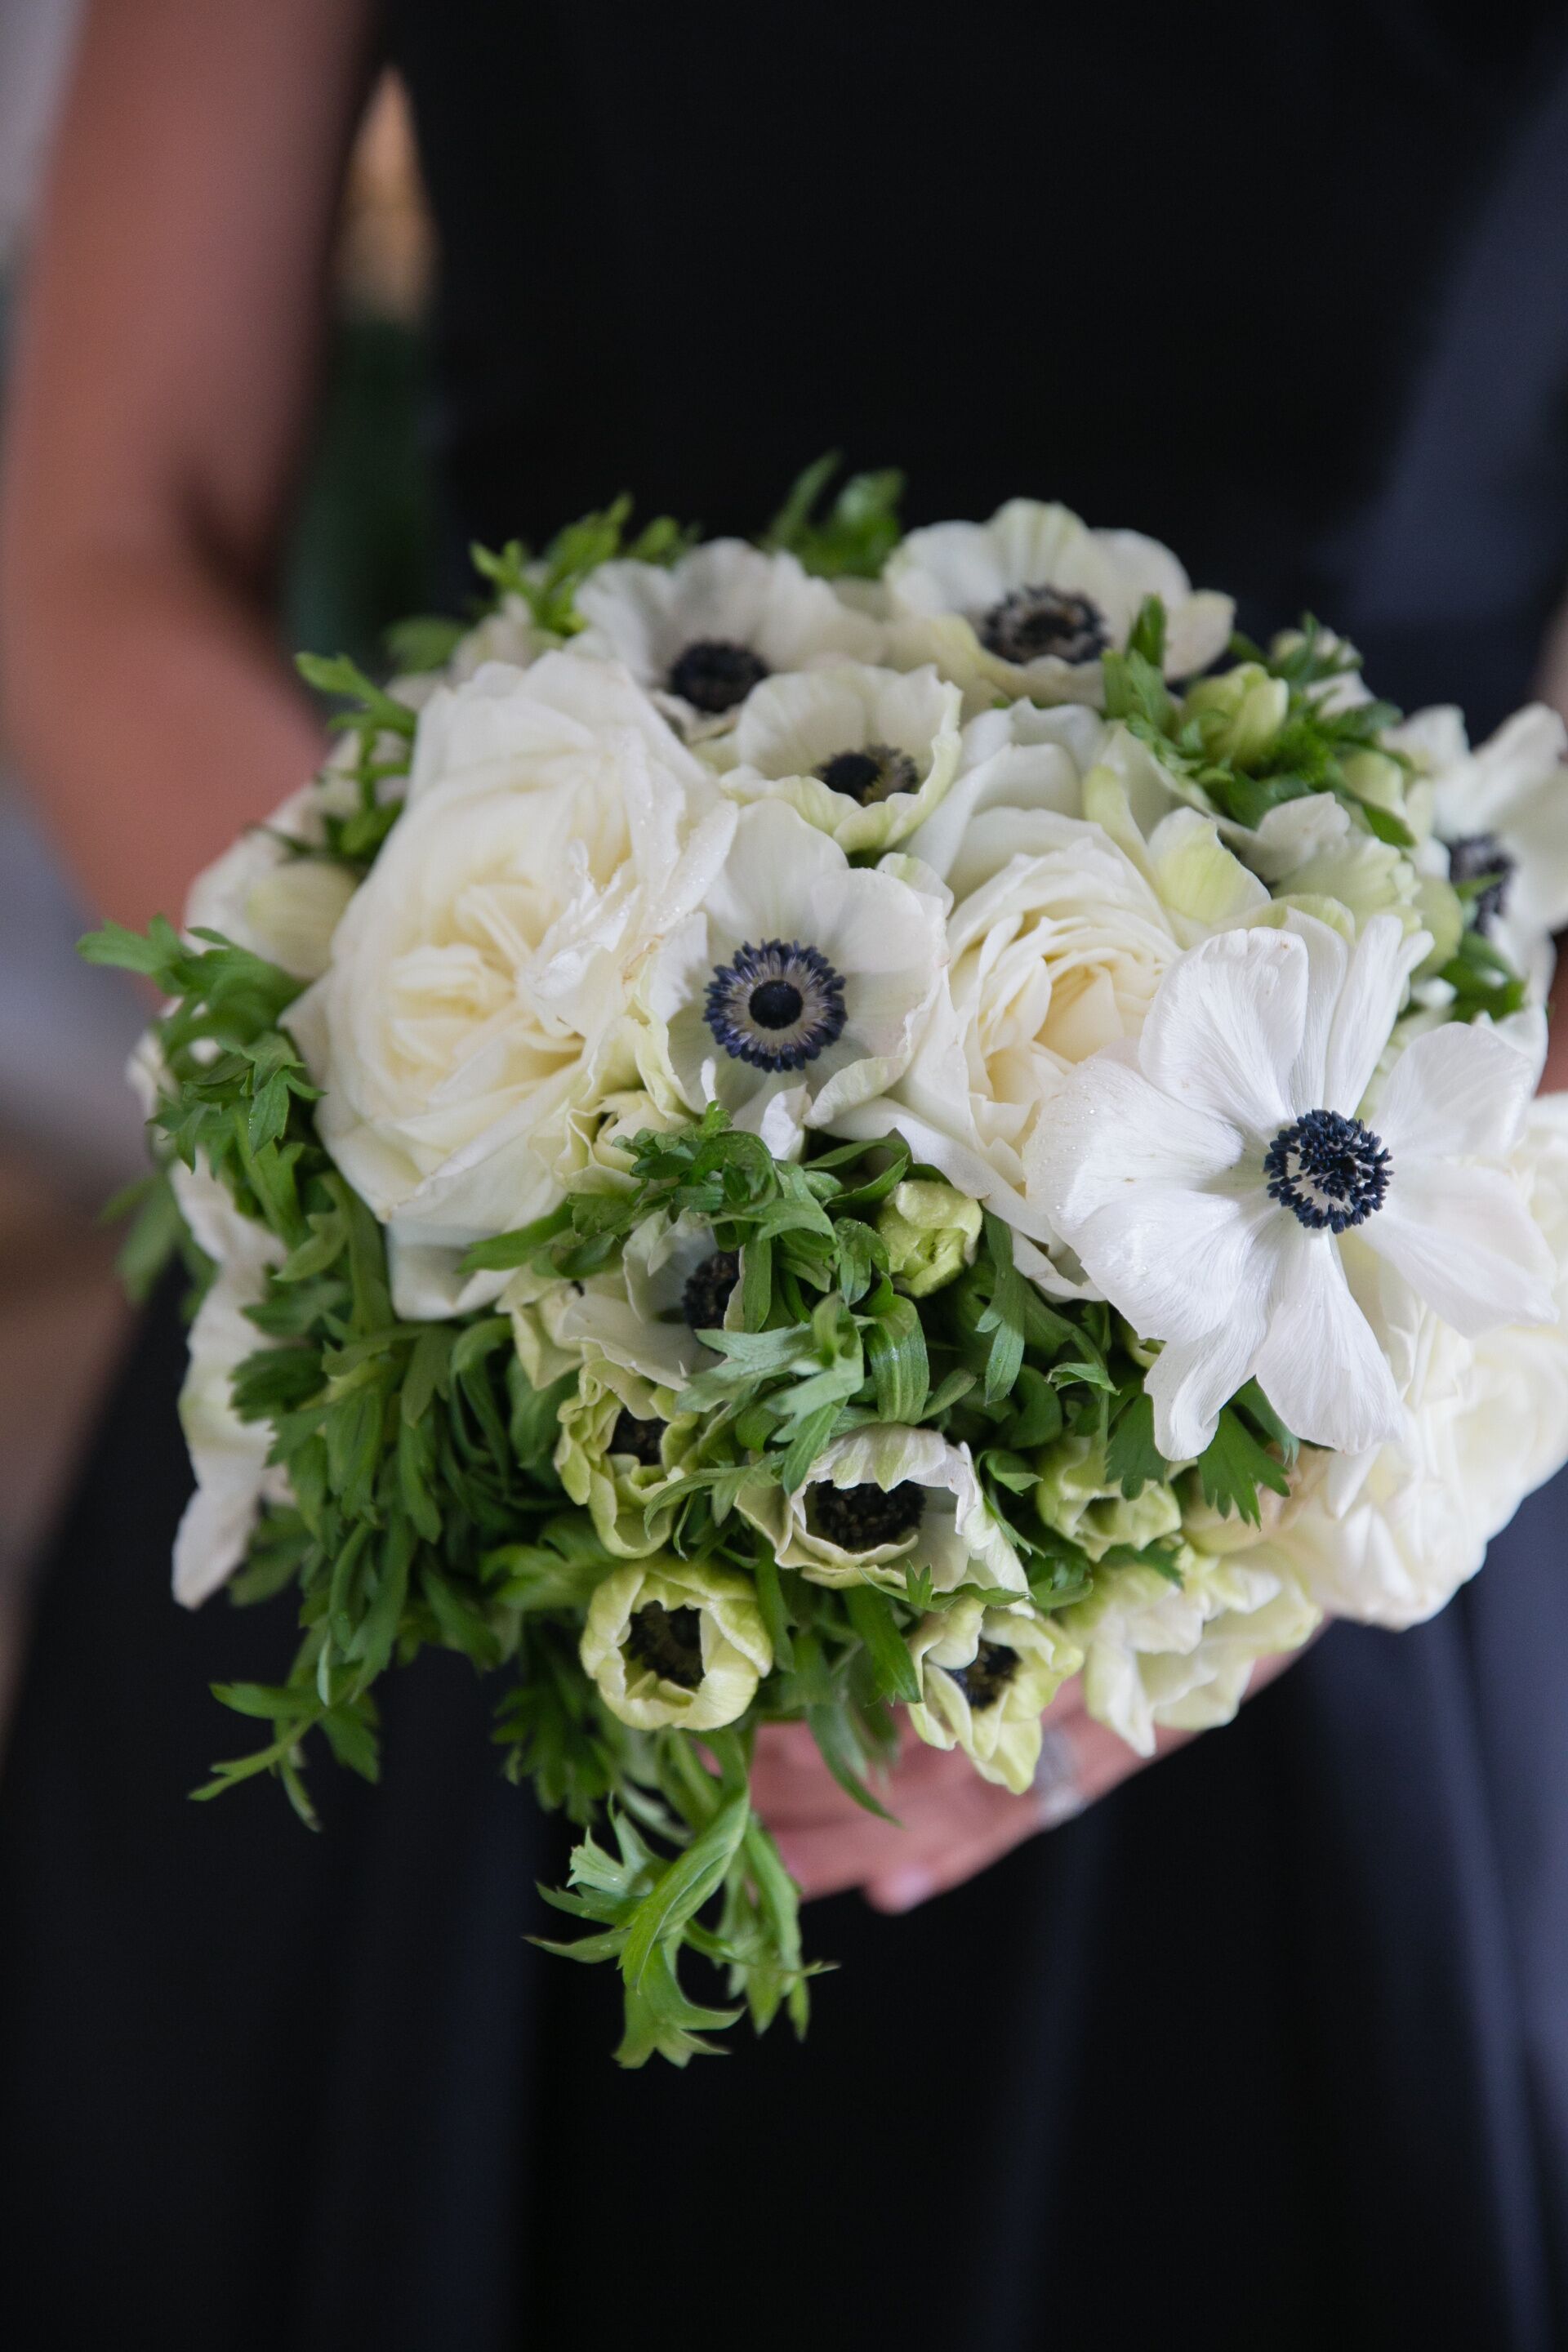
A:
(1179, 1654)
(1076, 1498)
(1238, 715)
(610, 1455)
(864, 754)
(882, 1501)
(987, 1677)
(673, 1281)
(931, 1233)
(675, 1642)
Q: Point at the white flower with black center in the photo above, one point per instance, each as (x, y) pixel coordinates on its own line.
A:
(796, 990)
(987, 1677)
(673, 1284)
(880, 1502)
(864, 754)
(1502, 811)
(1217, 1180)
(675, 1642)
(707, 628)
(1027, 603)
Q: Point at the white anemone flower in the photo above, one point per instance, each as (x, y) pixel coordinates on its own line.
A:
(879, 1502)
(1211, 1179)
(797, 990)
(864, 754)
(1502, 809)
(1388, 1536)
(987, 1675)
(707, 628)
(673, 1282)
(1028, 602)
(672, 1640)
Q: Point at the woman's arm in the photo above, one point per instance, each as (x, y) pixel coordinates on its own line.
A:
(160, 406)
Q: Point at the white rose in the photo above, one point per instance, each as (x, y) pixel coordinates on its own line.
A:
(555, 827)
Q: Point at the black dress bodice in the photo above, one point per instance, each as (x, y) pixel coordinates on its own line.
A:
(1207, 272)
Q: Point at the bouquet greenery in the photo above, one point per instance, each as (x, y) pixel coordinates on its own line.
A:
(846, 1129)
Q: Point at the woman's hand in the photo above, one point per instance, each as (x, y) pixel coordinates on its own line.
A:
(953, 1823)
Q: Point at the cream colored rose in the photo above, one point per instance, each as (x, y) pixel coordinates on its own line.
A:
(556, 826)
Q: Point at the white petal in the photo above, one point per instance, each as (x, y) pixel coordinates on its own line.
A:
(1464, 1240)
(1372, 992)
(1177, 1263)
(1191, 1379)
(1321, 1366)
(1459, 1089)
(1327, 959)
(1226, 1025)
(1108, 1131)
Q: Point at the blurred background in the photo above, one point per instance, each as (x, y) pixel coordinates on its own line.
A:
(70, 1136)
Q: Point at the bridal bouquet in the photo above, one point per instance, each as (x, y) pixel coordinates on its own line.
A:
(845, 1129)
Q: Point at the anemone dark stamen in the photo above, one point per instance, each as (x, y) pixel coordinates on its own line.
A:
(713, 674)
(987, 1675)
(670, 1641)
(857, 1518)
(1033, 622)
(1331, 1171)
(638, 1437)
(874, 773)
(775, 1006)
(707, 1291)
(1482, 857)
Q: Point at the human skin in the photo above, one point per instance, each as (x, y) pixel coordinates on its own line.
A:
(160, 407)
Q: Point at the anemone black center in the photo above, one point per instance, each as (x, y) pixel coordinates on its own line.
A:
(714, 674)
(1033, 622)
(1481, 858)
(873, 773)
(639, 1438)
(775, 1003)
(670, 1641)
(1332, 1171)
(777, 1006)
(707, 1291)
(857, 1518)
(987, 1675)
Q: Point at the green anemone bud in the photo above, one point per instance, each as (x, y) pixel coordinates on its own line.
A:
(673, 1640)
(1238, 716)
(1076, 1498)
(1375, 778)
(931, 1233)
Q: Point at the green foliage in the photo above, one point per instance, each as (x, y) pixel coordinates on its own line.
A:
(854, 537)
(548, 583)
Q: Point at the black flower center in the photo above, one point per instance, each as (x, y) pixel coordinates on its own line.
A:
(1033, 622)
(670, 1641)
(715, 673)
(707, 1291)
(987, 1675)
(775, 1006)
(1482, 857)
(873, 773)
(636, 1437)
(1331, 1171)
(857, 1518)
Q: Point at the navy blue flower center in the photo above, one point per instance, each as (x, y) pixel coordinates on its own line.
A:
(714, 674)
(1331, 1172)
(1482, 857)
(987, 1675)
(670, 1641)
(875, 773)
(1031, 622)
(775, 1006)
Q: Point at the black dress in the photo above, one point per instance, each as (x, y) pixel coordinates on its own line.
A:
(1271, 2048)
